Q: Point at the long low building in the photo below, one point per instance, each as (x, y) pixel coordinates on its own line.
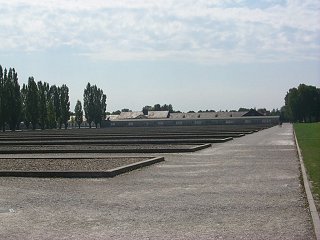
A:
(245, 120)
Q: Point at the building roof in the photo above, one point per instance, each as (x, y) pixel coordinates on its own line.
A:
(131, 115)
(210, 115)
(166, 114)
(252, 112)
(185, 115)
(157, 114)
(229, 114)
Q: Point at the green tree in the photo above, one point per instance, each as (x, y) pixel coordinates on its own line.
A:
(302, 104)
(293, 105)
(284, 117)
(243, 109)
(99, 100)
(51, 114)
(24, 115)
(13, 100)
(43, 89)
(32, 102)
(10, 99)
(317, 105)
(94, 102)
(55, 95)
(103, 107)
(157, 107)
(275, 112)
(16, 118)
(308, 98)
(116, 112)
(146, 109)
(165, 107)
(3, 99)
(65, 105)
(78, 113)
(88, 104)
(170, 108)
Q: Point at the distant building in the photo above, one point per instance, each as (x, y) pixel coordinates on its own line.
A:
(164, 118)
(158, 114)
(139, 115)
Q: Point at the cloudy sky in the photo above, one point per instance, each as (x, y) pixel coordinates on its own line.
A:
(194, 54)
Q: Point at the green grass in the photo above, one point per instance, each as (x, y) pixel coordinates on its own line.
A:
(308, 135)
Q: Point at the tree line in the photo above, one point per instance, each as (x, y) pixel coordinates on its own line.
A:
(37, 104)
(302, 104)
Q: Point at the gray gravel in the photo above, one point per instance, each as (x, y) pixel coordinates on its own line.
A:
(248, 188)
(66, 164)
(98, 147)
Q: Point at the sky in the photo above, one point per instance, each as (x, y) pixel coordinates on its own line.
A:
(193, 54)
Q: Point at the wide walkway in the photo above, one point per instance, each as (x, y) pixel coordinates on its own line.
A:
(248, 188)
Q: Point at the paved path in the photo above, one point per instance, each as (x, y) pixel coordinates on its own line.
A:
(248, 188)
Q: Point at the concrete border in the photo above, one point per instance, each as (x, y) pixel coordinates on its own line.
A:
(312, 206)
(200, 147)
(82, 174)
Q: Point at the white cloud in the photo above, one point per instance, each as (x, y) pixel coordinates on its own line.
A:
(205, 31)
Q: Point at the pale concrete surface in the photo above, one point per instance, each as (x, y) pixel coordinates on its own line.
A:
(248, 188)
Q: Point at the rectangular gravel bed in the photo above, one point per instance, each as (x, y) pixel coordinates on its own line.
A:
(132, 148)
(115, 142)
(72, 167)
(66, 164)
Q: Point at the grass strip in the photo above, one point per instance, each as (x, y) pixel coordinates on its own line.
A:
(308, 135)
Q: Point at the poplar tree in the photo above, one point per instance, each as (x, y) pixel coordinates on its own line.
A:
(2, 100)
(65, 105)
(99, 101)
(55, 94)
(43, 89)
(94, 104)
(51, 114)
(88, 104)
(35, 103)
(24, 115)
(32, 103)
(16, 117)
(78, 113)
(5, 100)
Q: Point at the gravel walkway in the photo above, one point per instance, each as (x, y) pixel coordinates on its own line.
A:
(248, 188)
